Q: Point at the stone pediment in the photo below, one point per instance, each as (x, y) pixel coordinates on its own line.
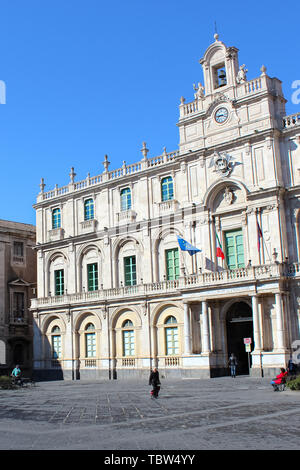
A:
(20, 283)
(219, 98)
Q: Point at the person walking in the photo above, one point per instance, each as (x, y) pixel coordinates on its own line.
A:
(291, 367)
(155, 382)
(232, 362)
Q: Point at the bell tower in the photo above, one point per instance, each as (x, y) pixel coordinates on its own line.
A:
(228, 106)
(220, 67)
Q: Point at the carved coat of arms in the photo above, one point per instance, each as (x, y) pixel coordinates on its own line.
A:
(222, 163)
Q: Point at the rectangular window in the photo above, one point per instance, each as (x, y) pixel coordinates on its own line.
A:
(89, 209)
(92, 273)
(59, 282)
(19, 249)
(172, 341)
(128, 343)
(56, 346)
(172, 264)
(130, 271)
(18, 304)
(125, 199)
(234, 249)
(167, 190)
(56, 220)
(90, 345)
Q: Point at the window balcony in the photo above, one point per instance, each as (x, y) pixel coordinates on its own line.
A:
(126, 216)
(18, 320)
(170, 205)
(55, 234)
(18, 259)
(88, 225)
(17, 317)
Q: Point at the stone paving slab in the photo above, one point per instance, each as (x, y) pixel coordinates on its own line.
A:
(222, 413)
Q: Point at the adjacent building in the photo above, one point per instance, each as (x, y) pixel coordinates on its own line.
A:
(17, 288)
(116, 292)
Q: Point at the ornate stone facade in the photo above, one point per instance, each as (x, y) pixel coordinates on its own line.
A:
(116, 295)
(17, 288)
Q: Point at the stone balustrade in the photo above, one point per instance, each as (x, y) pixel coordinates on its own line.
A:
(168, 206)
(183, 284)
(190, 108)
(291, 120)
(251, 87)
(126, 216)
(125, 170)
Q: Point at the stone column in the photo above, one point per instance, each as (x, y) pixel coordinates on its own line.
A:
(279, 321)
(68, 348)
(256, 327)
(187, 329)
(72, 280)
(205, 333)
(37, 343)
(105, 344)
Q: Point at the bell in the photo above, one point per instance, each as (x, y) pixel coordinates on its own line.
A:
(222, 78)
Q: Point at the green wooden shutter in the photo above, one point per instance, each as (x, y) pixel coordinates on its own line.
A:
(92, 272)
(59, 282)
(130, 271)
(172, 264)
(234, 249)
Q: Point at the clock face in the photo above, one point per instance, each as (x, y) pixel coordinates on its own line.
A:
(221, 115)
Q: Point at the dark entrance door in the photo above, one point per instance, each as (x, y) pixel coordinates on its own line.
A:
(239, 326)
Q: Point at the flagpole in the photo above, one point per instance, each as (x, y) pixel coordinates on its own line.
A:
(183, 261)
(266, 249)
(221, 248)
(263, 240)
(186, 246)
(258, 228)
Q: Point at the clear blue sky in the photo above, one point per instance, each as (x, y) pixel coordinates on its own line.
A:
(89, 78)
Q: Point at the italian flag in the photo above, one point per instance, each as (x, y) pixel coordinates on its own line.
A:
(220, 253)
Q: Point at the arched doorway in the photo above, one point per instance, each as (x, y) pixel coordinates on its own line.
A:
(239, 325)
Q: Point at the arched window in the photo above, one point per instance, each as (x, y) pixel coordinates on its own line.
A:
(171, 335)
(167, 191)
(89, 209)
(56, 218)
(125, 199)
(128, 338)
(56, 342)
(90, 340)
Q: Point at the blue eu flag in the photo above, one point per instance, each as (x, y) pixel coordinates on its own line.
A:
(186, 246)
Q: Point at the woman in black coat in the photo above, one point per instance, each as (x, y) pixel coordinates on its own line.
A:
(154, 381)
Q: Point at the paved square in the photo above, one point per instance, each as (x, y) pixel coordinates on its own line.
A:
(221, 413)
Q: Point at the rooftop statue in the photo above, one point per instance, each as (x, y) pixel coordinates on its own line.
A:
(241, 76)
